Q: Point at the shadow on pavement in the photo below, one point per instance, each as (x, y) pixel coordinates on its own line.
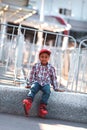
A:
(14, 122)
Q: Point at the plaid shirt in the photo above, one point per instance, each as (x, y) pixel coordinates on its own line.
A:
(43, 75)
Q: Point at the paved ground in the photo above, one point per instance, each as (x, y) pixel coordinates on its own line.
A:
(13, 122)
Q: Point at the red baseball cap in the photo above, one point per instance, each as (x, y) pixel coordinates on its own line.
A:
(45, 51)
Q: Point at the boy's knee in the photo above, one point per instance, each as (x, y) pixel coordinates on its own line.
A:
(47, 89)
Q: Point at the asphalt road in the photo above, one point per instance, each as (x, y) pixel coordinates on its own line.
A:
(16, 122)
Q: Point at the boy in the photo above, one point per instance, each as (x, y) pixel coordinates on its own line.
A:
(41, 76)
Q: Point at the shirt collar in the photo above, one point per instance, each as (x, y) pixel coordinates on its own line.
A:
(45, 65)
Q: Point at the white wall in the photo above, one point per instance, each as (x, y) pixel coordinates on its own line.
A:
(78, 7)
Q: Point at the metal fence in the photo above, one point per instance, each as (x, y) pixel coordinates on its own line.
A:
(77, 79)
(19, 47)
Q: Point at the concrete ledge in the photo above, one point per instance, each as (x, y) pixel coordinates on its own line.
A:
(65, 106)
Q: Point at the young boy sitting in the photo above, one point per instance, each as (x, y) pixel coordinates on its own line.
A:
(41, 77)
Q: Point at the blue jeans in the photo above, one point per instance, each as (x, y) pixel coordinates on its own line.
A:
(35, 87)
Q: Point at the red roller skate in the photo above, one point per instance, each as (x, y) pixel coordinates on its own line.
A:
(27, 103)
(42, 110)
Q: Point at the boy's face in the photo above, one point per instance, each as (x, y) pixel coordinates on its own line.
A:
(44, 58)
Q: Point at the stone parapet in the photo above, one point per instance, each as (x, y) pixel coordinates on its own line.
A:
(61, 105)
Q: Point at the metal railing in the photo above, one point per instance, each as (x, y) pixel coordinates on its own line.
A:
(77, 79)
(19, 47)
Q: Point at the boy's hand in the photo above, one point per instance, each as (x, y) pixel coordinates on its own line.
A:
(58, 90)
(28, 86)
